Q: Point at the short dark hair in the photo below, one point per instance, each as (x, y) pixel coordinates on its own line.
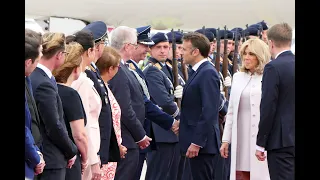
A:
(33, 34)
(280, 34)
(198, 41)
(82, 37)
(32, 46)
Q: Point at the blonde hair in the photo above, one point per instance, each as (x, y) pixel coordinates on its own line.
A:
(260, 49)
(52, 43)
(73, 60)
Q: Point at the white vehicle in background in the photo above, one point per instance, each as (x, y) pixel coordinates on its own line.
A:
(33, 25)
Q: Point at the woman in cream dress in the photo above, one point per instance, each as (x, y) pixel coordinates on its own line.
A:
(92, 106)
(243, 115)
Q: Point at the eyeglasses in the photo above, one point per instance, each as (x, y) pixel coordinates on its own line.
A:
(65, 52)
(135, 45)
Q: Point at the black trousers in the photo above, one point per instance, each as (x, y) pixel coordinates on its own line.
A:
(126, 168)
(53, 174)
(142, 157)
(281, 163)
(163, 163)
(75, 172)
(184, 172)
(203, 166)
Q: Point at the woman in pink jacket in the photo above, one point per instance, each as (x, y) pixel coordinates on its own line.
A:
(91, 103)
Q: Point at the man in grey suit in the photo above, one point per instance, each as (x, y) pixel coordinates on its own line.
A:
(129, 95)
(277, 108)
(59, 151)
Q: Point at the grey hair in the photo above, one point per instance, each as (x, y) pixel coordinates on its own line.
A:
(122, 35)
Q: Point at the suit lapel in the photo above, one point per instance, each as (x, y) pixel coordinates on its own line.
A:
(194, 75)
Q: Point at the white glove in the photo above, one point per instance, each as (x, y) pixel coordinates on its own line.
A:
(178, 92)
(227, 81)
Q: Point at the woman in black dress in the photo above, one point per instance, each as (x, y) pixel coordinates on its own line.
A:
(74, 114)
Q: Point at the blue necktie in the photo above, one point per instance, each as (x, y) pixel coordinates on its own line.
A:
(29, 84)
(191, 71)
(54, 82)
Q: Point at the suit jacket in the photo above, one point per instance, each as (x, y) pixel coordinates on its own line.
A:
(92, 106)
(161, 92)
(31, 155)
(109, 149)
(277, 117)
(153, 112)
(258, 169)
(35, 118)
(57, 146)
(127, 90)
(200, 110)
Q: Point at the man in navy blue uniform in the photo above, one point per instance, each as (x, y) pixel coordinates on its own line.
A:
(153, 113)
(199, 134)
(162, 163)
(178, 38)
(276, 133)
(109, 149)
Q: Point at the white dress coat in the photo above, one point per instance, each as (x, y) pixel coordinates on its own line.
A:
(258, 169)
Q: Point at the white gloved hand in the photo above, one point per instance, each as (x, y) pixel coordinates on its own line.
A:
(227, 82)
(178, 92)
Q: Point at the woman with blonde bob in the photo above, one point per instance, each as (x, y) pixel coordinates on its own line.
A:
(74, 114)
(243, 115)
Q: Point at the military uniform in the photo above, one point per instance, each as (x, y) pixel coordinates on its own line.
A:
(178, 39)
(237, 30)
(153, 113)
(162, 163)
(109, 149)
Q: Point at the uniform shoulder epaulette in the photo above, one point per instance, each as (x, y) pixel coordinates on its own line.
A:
(169, 64)
(157, 65)
(90, 68)
(131, 66)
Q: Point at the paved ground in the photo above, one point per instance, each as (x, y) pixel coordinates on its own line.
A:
(143, 173)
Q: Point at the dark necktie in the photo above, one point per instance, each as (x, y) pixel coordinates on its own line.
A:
(29, 84)
(191, 71)
(54, 82)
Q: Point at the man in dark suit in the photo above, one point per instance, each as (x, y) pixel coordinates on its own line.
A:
(162, 163)
(129, 95)
(58, 150)
(153, 112)
(35, 118)
(109, 149)
(34, 162)
(276, 133)
(199, 134)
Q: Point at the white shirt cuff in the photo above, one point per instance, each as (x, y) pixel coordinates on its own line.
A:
(259, 148)
(196, 145)
(173, 121)
(142, 139)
